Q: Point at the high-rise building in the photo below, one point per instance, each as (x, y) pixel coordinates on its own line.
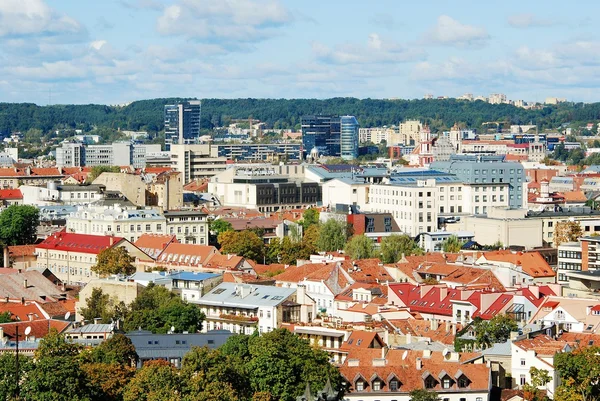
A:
(124, 153)
(323, 133)
(348, 137)
(182, 123)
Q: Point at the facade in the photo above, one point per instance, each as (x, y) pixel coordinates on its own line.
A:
(244, 308)
(265, 188)
(434, 241)
(56, 194)
(410, 132)
(182, 123)
(346, 191)
(190, 285)
(322, 133)
(348, 137)
(196, 162)
(115, 154)
(189, 226)
(130, 185)
(488, 170)
(119, 290)
(260, 151)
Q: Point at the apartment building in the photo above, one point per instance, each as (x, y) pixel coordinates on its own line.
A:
(78, 154)
(189, 226)
(197, 161)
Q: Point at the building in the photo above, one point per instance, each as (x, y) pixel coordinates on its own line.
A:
(182, 123)
(70, 256)
(377, 135)
(536, 352)
(14, 177)
(130, 185)
(78, 154)
(190, 285)
(244, 308)
(410, 132)
(189, 226)
(10, 197)
(348, 137)
(322, 133)
(118, 290)
(197, 162)
(265, 188)
(391, 374)
(57, 194)
(173, 347)
(489, 171)
(165, 190)
(434, 241)
(260, 151)
(346, 191)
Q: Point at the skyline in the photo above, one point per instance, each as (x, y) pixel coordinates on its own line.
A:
(118, 51)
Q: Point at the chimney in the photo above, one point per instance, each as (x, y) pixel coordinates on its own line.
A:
(112, 240)
(7, 299)
(300, 294)
(2, 335)
(434, 324)
(447, 326)
(419, 364)
(97, 320)
(535, 290)
(426, 353)
(408, 338)
(30, 317)
(383, 352)
(5, 252)
(453, 329)
(22, 300)
(25, 283)
(443, 292)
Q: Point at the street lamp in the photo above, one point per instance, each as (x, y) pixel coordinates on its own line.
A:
(27, 332)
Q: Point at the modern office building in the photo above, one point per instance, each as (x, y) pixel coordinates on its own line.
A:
(182, 123)
(348, 137)
(77, 154)
(260, 151)
(323, 133)
(197, 161)
(488, 170)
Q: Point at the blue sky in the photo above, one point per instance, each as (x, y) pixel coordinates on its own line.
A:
(117, 51)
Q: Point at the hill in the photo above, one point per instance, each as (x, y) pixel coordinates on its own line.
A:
(286, 113)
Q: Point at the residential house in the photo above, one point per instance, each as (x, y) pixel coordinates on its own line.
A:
(10, 197)
(190, 285)
(118, 290)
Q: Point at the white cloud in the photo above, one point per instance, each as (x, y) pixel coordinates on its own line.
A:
(224, 20)
(376, 50)
(451, 32)
(526, 20)
(34, 17)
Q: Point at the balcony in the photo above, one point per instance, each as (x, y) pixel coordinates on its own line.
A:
(238, 318)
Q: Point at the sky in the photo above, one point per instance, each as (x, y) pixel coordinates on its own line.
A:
(118, 51)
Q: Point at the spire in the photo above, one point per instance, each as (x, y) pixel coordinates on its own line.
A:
(306, 396)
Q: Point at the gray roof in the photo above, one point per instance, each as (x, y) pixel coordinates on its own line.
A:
(245, 295)
(184, 213)
(92, 328)
(592, 169)
(148, 345)
(147, 276)
(423, 345)
(502, 349)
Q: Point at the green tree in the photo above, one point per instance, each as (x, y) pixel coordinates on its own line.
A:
(281, 363)
(273, 251)
(5, 317)
(8, 368)
(452, 244)
(423, 395)
(97, 170)
(57, 373)
(96, 305)
(114, 260)
(107, 381)
(309, 217)
(155, 381)
(360, 247)
(332, 236)
(495, 330)
(219, 226)
(579, 372)
(310, 238)
(242, 243)
(116, 350)
(18, 225)
(157, 309)
(394, 246)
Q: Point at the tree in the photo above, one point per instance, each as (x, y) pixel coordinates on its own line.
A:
(423, 395)
(107, 381)
(452, 244)
(309, 217)
(394, 246)
(281, 363)
(155, 381)
(332, 236)
(96, 171)
(114, 260)
(157, 309)
(116, 350)
(18, 225)
(310, 238)
(566, 231)
(219, 226)
(360, 247)
(242, 243)
(5, 317)
(495, 330)
(57, 373)
(8, 379)
(579, 372)
(96, 305)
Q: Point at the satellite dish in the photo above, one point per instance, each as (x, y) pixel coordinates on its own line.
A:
(28, 330)
(445, 352)
(172, 329)
(67, 315)
(404, 355)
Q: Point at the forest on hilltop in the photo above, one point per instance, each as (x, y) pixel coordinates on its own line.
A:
(286, 113)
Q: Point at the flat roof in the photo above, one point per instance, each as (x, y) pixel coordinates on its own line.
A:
(257, 295)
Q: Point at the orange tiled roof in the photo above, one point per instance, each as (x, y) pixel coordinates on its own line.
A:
(542, 345)
(154, 244)
(39, 328)
(574, 196)
(327, 273)
(263, 270)
(10, 194)
(532, 263)
(21, 250)
(473, 277)
(176, 253)
(225, 262)
(443, 333)
(362, 339)
(23, 313)
(366, 271)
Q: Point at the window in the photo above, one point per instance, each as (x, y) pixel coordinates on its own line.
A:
(394, 385)
(158, 227)
(463, 382)
(376, 385)
(522, 361)
(446, 382)
(148, 227)
(360, 386)
(522, 380)
(429, 382)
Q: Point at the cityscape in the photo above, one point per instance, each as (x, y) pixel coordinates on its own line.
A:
(242, 201)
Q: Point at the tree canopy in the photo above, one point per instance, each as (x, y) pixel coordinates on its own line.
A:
(115, 260)
(579, 372)
(394, 246)
(360, 247)
(332, 236)
(452, 244)
(18, 225)
(495, 330)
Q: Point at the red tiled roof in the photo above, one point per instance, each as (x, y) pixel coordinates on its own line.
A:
(362, 339)
(46, 171)
(83, 243)
(10, 194)
(474, 278)
(39, 328)
(498, 306)
(10, 172)
(186, 254)
(327, 273)
(225, 262)
(154, 244)
(263, 270)
(21, 250)
(366, 270)
(196, 186)
(23, 313)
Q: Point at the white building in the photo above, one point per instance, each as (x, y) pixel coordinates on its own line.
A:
(345, 191)
(54, 193)
(196, 162)
(116, 154)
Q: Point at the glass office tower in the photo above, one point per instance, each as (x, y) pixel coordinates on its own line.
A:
(182, 122)
(321, 132)
(348, 137)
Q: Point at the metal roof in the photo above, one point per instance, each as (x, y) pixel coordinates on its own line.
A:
(92, 328)
(245, 295)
